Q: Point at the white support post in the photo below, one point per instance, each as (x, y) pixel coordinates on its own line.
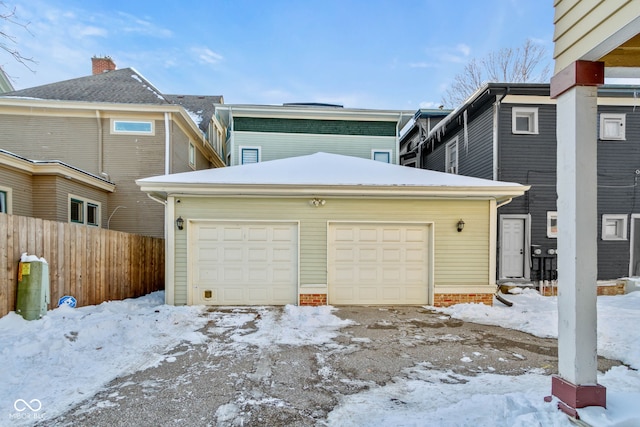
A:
(576, 91)
(577, 234)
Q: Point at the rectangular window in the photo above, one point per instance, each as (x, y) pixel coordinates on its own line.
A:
(249, 155)
(84, 211)
(76, 211)
(92, 214)
(524, 120)
(381, 155)
(552, 225)
(3, 202)
(614, 227)
(192, 155)
(133, 127)
(612, 127)
(451, 156)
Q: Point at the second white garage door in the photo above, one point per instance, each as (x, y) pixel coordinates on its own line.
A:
(378, 263)
(243, 263)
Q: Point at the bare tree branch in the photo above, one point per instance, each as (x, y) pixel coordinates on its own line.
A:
(525, 64)
(8, 41)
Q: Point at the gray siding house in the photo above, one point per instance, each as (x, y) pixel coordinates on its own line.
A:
(117, 126)
(507, 132)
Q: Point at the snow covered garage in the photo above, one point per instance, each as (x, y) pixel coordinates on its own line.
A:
(328, 229)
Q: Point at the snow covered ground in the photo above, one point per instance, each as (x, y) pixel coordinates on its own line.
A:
(50, 364)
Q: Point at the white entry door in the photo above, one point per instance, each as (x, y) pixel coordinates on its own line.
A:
(379, 263)
(512, 247)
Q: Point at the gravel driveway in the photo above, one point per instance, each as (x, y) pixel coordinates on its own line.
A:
(229, 380)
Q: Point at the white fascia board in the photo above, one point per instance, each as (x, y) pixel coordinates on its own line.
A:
(313, 112)
(480, 193)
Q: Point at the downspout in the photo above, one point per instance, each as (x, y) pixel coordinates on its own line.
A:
(506, 202)
(397, 150)
(100, 144)
(496, 140)
(167, 144)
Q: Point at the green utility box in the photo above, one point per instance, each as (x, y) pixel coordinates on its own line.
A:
(33, 289)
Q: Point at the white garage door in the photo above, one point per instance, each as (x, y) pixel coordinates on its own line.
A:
(375, 263)
(243, 263)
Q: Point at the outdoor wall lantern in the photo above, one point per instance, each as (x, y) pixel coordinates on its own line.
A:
(180, 223)
(460, 225)
(317, 202)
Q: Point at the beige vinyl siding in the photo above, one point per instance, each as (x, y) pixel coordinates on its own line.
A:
(51, 197)
(282, 145)
(127, 158)
(20, 184)
(460, 258)
(581, 25)
(72, 140)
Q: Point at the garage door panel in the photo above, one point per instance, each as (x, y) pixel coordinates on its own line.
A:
(391, 235)
(252, 263)
(232, 234)
(383, 263)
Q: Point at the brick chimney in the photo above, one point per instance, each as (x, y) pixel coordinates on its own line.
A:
(102, 65)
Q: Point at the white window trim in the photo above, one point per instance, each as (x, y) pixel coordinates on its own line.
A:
(9, 192)
(124, 132)
(622, 235)
(246, 147)
(550, 215)
(447, 156)
(192, 151)
(85, 208)
(620, 118)
(533, 112)
(389, 152)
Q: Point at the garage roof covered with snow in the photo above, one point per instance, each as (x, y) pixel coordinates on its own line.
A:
(323, 173)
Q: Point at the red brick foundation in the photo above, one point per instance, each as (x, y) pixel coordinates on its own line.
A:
(313, 299)
(617, 289)
(445, 300)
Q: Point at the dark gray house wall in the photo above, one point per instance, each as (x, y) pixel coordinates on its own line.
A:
(531, 159)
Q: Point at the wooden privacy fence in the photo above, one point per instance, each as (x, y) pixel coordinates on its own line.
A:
(92, 264)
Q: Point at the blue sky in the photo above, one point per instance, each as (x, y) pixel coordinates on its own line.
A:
(382, 54)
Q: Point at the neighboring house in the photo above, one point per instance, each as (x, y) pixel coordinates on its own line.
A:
(5, 82)
(415, 132)
(256, 133)
(115, 125)
(326, 228)
(52, 190)
(507, 132)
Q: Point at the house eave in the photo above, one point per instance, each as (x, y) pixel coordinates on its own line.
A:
(54, 168)
(404, 192)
